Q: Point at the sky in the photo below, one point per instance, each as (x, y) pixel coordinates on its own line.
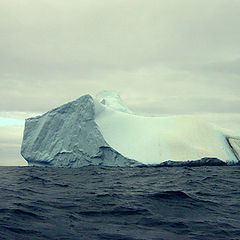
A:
(163, 58)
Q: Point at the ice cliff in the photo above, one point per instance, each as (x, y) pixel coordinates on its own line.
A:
(102, 130)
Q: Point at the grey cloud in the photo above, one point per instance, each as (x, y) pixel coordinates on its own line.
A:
(118, 35)
(189, 105)
(55, 51)
(230, 67)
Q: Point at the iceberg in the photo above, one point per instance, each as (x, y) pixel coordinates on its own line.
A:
(102, 130)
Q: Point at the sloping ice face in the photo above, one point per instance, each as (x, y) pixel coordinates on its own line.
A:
(154, 140)
(104, 131)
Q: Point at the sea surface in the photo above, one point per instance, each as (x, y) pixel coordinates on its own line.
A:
(120, 203)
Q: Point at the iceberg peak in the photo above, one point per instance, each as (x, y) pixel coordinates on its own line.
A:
(112, 100)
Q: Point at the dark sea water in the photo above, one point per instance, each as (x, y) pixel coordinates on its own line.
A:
(120, 203)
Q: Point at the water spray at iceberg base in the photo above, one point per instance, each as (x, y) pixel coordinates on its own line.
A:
(102, 130)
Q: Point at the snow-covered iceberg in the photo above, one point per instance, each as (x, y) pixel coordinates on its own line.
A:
(102, 130)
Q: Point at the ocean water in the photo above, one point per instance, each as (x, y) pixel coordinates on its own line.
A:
(120, 203)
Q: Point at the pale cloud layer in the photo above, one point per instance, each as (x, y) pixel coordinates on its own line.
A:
(162, 57)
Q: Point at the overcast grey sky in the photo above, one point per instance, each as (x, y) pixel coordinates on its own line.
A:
(162, 57)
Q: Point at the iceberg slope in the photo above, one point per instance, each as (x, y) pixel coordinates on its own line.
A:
(103, 131)
(155, 140)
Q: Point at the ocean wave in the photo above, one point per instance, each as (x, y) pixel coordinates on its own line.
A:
(120, 203)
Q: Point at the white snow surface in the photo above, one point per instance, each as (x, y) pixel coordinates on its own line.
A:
(153, 140)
